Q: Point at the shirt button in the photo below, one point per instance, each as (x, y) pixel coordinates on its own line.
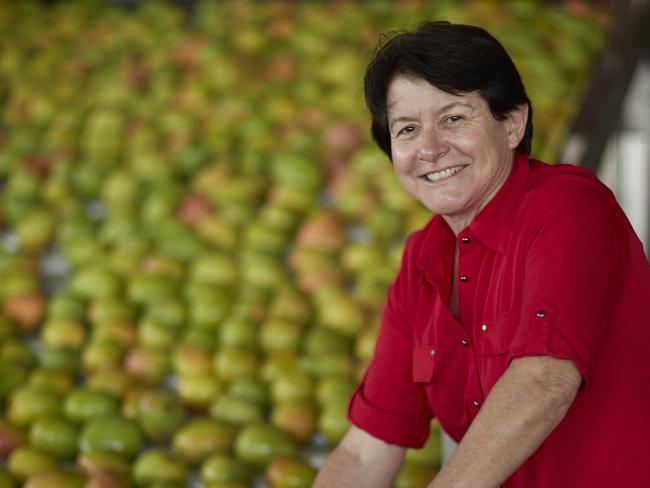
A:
(464, 342)
(465, 240)
(541, 314)
(432, 352)
(484, 327)
(464, 278)
(476, 403)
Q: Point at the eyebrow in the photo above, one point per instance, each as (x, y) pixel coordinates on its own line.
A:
(445, 108)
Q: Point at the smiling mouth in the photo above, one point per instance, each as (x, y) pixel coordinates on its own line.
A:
(443, 174)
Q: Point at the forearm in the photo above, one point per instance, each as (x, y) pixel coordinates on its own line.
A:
(516, 417)
(360, 461)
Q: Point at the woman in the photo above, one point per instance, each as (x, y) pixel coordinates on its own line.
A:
(518, 317)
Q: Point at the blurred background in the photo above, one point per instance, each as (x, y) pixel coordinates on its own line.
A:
(197, 233)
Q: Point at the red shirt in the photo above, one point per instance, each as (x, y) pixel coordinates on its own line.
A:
(551, 266)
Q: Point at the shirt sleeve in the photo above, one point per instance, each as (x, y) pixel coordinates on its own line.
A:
(387, 403)
(574, 268)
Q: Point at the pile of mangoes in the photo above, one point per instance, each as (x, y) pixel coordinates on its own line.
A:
(197, 233)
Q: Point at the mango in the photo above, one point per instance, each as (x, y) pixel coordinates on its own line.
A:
(202, 437)
(11, 437)
(98, 462)
(27, 461)
(159, 414)
(58, 382)
(297, 418)
(58, 478)
(6, 480)
(249, 388)
(157, 465)
(111, 434)
(198, 391)
(222, 468)
(414, 475)
(231, 363)
(55, 436)
(11, 376)
(292, 386)
(290, 472)
(235, 411)
(260, 444)
(83, 404)
(27, 403)
(333, 422)
(60, 359)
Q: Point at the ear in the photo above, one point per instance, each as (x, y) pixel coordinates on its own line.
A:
(516, 124)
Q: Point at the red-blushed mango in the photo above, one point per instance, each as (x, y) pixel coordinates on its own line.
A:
(290, 472)
(11, 437)
(55, 478)
(107, 463)
(297, 418)
(189, 359)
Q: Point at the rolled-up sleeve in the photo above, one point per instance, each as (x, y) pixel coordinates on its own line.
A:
(387, 403)
(573, 274)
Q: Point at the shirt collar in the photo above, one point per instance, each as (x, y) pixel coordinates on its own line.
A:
(492, 225)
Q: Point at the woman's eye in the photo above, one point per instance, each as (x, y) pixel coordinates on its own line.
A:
(454, 118)
(406, 130)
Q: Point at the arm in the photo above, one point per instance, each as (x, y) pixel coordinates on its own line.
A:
(521, 410)
(359, 461)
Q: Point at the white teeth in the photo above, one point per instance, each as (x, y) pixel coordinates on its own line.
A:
(445, 173)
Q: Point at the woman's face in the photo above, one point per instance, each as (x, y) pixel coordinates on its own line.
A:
(448, 151)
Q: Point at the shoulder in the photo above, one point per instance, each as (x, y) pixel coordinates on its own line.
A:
(567, 189)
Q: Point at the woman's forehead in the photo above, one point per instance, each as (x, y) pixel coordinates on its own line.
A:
(408, 92)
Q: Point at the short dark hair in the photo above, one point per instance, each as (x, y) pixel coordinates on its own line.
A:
(454, 58)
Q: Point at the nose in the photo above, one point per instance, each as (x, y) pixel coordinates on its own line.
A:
(432, 146)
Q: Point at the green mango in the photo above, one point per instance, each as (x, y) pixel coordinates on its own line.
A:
(221, 468)
(202, 437)
(58, 382)
(414, 475)
(58, 478)
(55, 436)
(111, 434)
(6, 480)
(159, 414)
(28, 461)
(61, 359)
(260, 444)
(157, 465)
(249, 388)
(27, 403)
(83, 405)
(235, 411)
(333, 421)
(11, 376)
